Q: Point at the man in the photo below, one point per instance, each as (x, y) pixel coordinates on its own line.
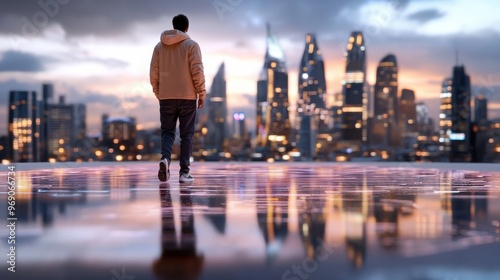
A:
(178, 81)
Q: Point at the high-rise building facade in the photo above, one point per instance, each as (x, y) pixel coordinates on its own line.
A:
(460, 116)
(445, 117)
(355, 107)
(386, 111)
(408, 112)
(493, 145)
(311, 102)
(273, 122)
(47, 96)
(217, 112)
(424, 121)
(24, 126)
(312, 81)
(480, 108)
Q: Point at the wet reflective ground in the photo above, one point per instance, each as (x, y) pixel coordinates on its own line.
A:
(254, 221)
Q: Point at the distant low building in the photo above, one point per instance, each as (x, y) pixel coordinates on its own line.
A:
(118, 136)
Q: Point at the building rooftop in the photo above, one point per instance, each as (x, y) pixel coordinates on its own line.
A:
(299, 220)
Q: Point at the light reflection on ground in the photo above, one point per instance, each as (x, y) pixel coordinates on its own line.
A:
(256, 221)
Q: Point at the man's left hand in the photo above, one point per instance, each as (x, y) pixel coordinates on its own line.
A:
(201, 102)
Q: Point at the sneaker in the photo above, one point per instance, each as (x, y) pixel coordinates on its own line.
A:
(185, 178)
(164, 171)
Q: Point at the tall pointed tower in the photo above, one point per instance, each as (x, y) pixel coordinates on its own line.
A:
(355, 108)
(312, 115)
(312, 82)
(217, 111)
(273, 122)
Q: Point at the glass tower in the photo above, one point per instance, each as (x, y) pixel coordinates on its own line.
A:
(445, 116)
(355, 107)
(311, 103)
(217, 111)
(312, 82)
(480, 108)
(386, 115)
(460, 115)
(273, 123)
(408, 111)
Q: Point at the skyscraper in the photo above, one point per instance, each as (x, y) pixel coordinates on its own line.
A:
(424, 121)
(408, 112)
(355, 107)
(24, 126)
(480, 108)
(481, 132)
(47, 95)
(386, 115)
(217, 111)
(312, 82)
(311, 103)
(460, 116)
(273, 123)
(445, 117)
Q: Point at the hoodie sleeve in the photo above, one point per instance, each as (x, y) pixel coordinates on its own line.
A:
(154, 71)
(196, 68)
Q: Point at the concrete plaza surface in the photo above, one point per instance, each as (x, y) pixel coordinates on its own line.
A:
(298, 220)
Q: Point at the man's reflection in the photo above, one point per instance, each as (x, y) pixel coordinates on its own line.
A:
(179, 259)
(387, 209)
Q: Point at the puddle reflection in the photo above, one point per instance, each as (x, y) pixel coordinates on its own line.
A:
(269, 217)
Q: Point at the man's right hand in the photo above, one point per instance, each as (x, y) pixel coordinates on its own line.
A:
(201, 102)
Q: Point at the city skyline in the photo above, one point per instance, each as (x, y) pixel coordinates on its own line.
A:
(111, 79)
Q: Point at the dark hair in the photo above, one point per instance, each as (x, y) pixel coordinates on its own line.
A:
(180, 22)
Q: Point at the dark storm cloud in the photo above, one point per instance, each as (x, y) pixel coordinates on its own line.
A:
(115, 17)
(425, 16)
(11, 61)
(94, 17)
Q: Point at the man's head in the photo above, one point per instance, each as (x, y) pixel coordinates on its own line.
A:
(181, 22)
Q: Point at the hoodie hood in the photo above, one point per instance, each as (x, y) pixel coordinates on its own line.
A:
(171, 37)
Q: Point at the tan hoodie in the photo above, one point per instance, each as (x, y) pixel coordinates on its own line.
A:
(176, 68)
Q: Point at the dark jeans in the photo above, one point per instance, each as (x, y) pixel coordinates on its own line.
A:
(172, 110)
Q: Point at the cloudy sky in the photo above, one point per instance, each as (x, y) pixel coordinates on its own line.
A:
(98, 52)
